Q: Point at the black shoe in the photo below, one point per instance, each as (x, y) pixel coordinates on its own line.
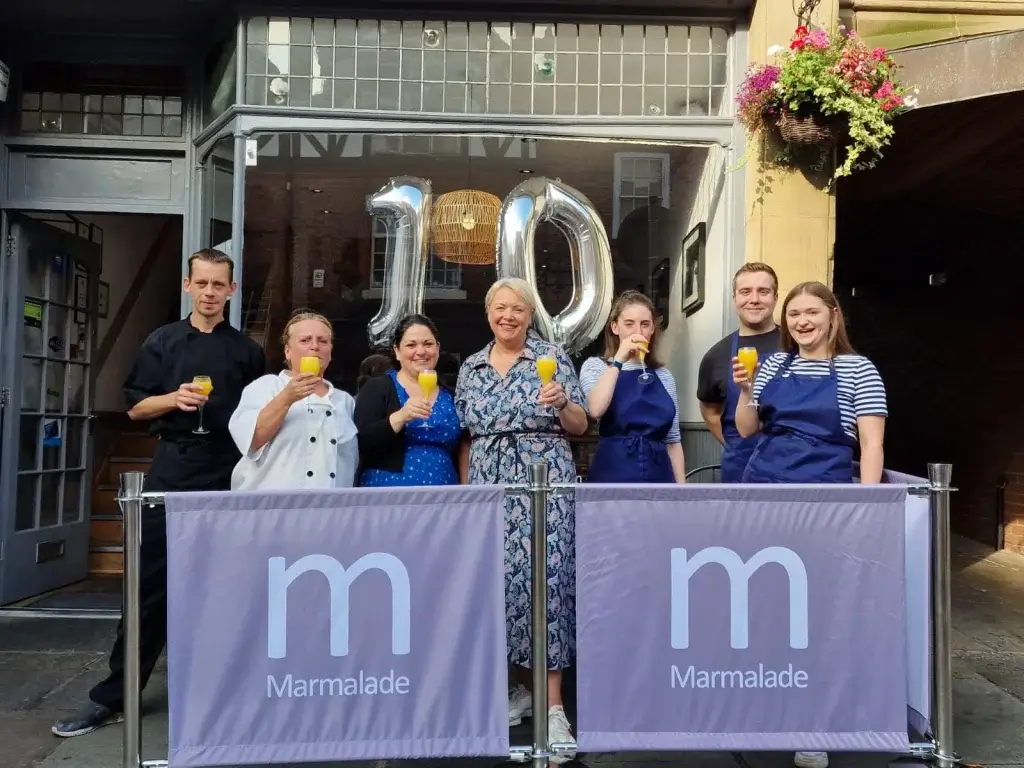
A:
(86, 720)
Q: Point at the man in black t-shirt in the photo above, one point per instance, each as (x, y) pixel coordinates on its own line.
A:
(755, 291)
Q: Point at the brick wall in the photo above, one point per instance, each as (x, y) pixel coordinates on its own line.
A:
(949, 354)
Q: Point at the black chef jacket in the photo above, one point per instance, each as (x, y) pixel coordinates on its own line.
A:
(172, 355)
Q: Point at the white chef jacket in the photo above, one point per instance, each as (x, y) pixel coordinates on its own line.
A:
(314, 449)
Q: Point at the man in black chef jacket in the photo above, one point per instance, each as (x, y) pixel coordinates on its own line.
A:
(159, 389)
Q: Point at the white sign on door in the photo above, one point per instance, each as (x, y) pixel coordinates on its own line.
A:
(318, 278)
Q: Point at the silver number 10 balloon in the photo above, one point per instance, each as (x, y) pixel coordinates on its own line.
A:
(538, 200)
(405, 202)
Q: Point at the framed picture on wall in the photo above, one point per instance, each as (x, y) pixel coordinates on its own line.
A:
(103, 299)
(693, 269)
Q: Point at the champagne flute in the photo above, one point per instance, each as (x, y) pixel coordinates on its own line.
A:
(427, 380)
(643, 347)
(309, 364)
(748, 359)
(546, 368)
(205, 384)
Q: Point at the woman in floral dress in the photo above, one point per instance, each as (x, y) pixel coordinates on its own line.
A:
(513, 421)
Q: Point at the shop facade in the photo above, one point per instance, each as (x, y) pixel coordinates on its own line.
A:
(263, 133)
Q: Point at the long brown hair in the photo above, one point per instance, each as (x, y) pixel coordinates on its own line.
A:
(838, 341)
(611, 341)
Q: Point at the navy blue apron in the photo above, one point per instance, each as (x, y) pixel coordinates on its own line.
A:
(802, 439)
(736, 451)
(633, 431)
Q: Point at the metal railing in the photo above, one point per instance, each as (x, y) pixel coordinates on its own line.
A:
(939, 749)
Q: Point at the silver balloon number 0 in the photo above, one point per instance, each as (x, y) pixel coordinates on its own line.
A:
(538, 200)
(405, 204)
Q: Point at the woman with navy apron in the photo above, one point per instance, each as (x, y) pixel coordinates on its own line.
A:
(816, 401)
(634, 397)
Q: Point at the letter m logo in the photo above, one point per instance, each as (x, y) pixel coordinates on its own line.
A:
(739, 574)
(340, 581)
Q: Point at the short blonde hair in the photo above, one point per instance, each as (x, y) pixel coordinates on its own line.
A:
(518, 286)
(298, 317)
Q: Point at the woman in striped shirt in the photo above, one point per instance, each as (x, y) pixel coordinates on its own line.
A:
(816, 399)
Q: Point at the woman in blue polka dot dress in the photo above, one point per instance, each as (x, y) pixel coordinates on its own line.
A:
(405, 439)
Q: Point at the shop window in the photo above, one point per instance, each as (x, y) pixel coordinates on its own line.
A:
(636, 70)
(440, 273)
(110, 101)
(641, 179)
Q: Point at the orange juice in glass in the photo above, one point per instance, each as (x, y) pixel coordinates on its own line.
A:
(310, 364)
(205, 385)
(748, 359)
(427, 380)
(643, 348)
(546, 367)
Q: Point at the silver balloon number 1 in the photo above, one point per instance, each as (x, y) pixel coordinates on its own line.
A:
(404, 203)
(538, 200)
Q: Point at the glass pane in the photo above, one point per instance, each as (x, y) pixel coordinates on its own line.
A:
(56, 383)
(74, 456)
(78, 389)
(58, 267)
(57, 331)
(53, 440)
(29, 442)
(73, 489)
(25, 514)
(31, 385)
(35, 273)
(49, 503)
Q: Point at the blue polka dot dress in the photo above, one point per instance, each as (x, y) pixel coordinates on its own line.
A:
(428, 447)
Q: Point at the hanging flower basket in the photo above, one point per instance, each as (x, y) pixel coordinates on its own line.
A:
(796, 128)
(825, 90)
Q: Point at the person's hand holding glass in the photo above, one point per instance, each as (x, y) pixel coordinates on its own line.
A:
(744, 370)
(427, 379)
(552, 396)
(202, 385)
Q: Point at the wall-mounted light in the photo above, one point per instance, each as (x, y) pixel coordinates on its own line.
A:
(316, 191)
(525, 171)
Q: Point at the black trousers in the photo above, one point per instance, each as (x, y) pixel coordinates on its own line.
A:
(175, 468)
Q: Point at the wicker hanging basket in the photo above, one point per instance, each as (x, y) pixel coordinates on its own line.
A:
(464, 226)
(796, 128)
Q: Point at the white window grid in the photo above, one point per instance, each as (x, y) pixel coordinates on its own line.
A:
(641, 179)
(519, 68)
(440, 273)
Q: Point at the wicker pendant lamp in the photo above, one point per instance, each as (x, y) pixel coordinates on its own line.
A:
(464, 226)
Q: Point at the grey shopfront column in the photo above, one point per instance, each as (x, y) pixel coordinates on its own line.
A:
(238, 227)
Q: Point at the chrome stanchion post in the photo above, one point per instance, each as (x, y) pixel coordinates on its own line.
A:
(939, 476)
(539, 491)
(130, 499)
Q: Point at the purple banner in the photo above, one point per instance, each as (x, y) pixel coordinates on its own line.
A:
(342, 625)
(725, 617)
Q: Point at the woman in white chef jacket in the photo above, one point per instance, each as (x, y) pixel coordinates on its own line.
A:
(295, 430)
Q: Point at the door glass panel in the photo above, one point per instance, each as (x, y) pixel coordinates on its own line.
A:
(28, 449)
(32, 333)
(53, 433)
(57, 332)
(32, 385)
(74, 455)
(49, 507)
(35, 274)
(77, 388)
(56, 381)
(72, 497)
(25, 516)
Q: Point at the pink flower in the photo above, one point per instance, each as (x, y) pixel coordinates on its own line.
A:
(818, 39)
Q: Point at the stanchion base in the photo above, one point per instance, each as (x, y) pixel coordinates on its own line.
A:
(520, 754)
(563, 750)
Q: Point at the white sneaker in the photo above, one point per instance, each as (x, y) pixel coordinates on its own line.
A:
(520, 705)
(811, 760)
(560, 732)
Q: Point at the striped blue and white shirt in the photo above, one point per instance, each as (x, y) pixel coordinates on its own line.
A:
(861, 390)
(594, 368)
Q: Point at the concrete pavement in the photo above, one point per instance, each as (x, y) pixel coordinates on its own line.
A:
(48, 665)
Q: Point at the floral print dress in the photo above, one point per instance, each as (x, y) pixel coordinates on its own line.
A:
(509, 431)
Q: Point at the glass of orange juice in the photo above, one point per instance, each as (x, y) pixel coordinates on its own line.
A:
(427, 380)
(643, 348)
(546, 368)
(748, 359)
(310, 364)
(205, 384)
